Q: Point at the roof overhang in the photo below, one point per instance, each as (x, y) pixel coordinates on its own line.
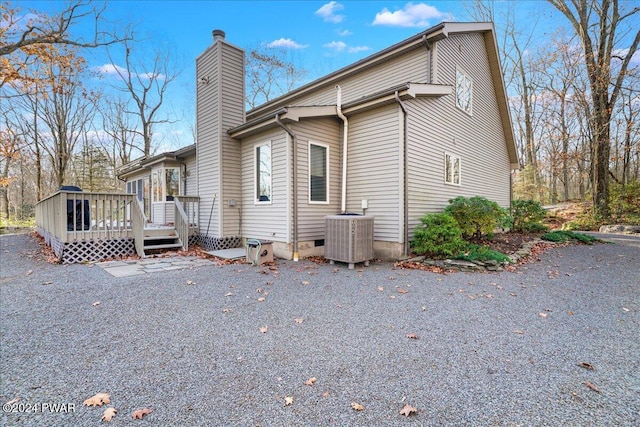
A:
(145, 163)
(287, 114)
(295, 113)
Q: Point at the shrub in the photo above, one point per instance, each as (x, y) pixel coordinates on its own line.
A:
(438, 236)
(527, 216)
(566, 235)
(483, 253)
(476, 215)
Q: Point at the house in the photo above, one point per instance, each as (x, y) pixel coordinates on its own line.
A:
(393, 136)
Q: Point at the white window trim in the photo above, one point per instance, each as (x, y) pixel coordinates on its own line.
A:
(256, 200)
(163, 184)
(446, 177)
(328, 156)
(467, 77)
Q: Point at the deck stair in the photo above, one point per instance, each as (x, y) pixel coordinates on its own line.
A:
(160, 239)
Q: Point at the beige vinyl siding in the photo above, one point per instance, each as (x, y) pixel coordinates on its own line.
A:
(208, 129)
(266, 220)
(191, 182)
(410, 67)
(232, 115)
(373, 165)
(220, 106)
(326, 132)
(436, 126)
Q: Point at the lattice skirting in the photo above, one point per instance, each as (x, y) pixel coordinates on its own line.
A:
(96, 250)
(88, 250)
(210, 243)
(194, 240)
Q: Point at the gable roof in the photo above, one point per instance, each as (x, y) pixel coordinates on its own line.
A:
(424, 38)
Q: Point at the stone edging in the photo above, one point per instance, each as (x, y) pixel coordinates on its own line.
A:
(489, 266)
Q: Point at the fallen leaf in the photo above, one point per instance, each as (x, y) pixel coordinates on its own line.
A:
(392, 297)
(625, 309)
(310, 381)
(412, 336)
(518, 331)
(403, 291)
(190, 282)
(228, 294)
(108, 414)
(305, 282)
(29, 272)
(586, 365)
(288, 401)
(299, 319)
(570, 313)
(226, 310)
(380, 288)
(12, 401)
(46, 283)
(259, 290)
(408, 410)
(325, 394)
(97, 400)
(471, 297)
(357, 406)
(592, 386)
(542, 314)
(140, 413)
(261, 299)
(264, 329)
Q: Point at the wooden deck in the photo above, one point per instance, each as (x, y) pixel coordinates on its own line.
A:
(92, 226)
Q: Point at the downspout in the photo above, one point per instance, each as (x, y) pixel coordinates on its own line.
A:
(294, 141)
(405, 190)
(345, 139)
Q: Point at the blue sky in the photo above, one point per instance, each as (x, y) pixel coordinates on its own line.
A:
(322, 36)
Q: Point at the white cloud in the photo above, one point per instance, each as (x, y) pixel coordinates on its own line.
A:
(337, 46)
(344, 33)
(110, 70)
(620, 54)
(286, 43)
(328, 12)
(356, 49)
(121, 72)
(412, 15)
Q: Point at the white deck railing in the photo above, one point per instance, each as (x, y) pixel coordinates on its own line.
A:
(73, 215)
(186, 218)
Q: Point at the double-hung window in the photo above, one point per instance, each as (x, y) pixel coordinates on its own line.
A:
(318, 173)
(451, 169)
(464, 91)
(262, 153)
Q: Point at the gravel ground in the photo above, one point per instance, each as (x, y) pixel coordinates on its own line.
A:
(501, 349)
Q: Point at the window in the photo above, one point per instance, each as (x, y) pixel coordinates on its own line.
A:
(165, 184)
(318, 173)
(464, 87)
(172, 182)
(157, 186)
(263, 172)
(451, 169)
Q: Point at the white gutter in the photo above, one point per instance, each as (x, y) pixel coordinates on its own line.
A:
(345, 139)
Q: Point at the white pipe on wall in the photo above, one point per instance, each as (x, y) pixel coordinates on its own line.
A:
(344, 147)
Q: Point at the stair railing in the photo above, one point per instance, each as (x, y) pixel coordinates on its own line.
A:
(181, 223)
(138, 222)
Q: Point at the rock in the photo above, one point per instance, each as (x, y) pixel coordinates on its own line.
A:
(620, 229)
(416, 259)
(463, 265)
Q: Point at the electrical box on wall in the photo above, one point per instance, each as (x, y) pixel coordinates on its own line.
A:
(365, 204)
(232, 202)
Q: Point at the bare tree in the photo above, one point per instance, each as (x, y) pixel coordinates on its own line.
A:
(147, 88)
(598, 25)
(20, 31)
(270, 73)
